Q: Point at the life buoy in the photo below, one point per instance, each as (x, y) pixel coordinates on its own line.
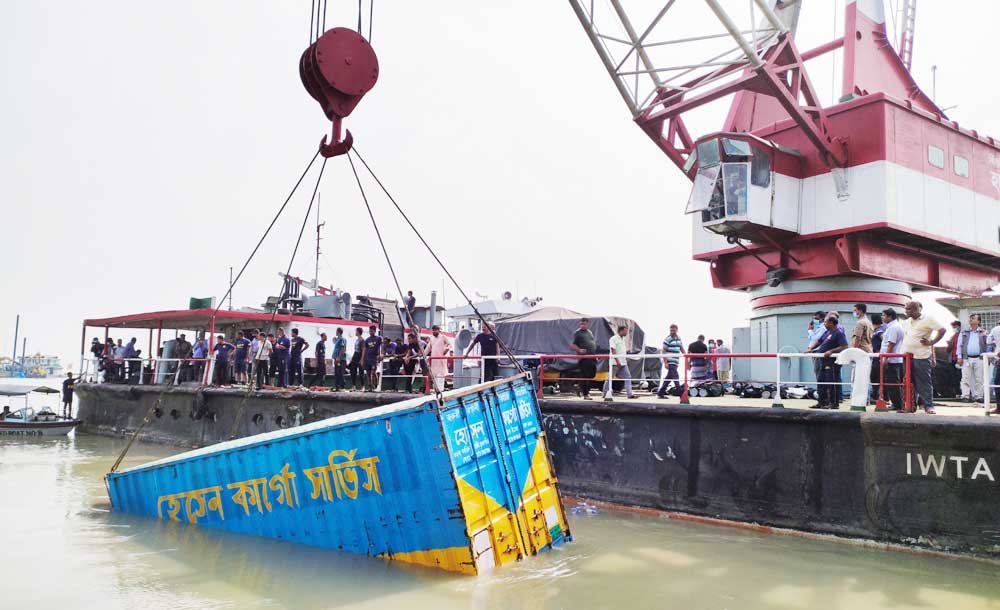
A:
(861, 384)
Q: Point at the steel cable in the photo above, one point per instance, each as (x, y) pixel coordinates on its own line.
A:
(482, 320)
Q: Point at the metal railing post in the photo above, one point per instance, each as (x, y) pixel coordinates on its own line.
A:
(880, 402)
(611, 377)
(776, 403)
(908, 405)
(987, 389)
(541, 377)
(685, 399)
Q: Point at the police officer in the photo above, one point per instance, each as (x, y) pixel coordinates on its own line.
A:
(282, 345)
(298, 345)
(319, 377)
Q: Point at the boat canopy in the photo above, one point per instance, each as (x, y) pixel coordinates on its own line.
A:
(22, 390)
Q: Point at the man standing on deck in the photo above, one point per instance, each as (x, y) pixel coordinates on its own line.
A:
(272, 361)
(183, 351)
(319, 355)
(892, 343)
(971, 346)
(673, 346)
(97, 350)
(584, 344)
(339, 358)
(67, 394)
(199, 352)
(262, 359)
(698, 366)
(132, 365)
(440, 347)
(921, 332)
(391, 364)
(298, 345)
(410, 302)
(371, 349)
(240, 357)
(487, 343)
(282, 346)
(832, 343)
(357, 367)
(619, 364)
(723, 366)
(816, 332)
(222, 349)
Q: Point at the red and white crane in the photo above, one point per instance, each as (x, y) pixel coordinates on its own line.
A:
(803, 206)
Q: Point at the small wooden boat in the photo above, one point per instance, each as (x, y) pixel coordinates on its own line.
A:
(30, 422)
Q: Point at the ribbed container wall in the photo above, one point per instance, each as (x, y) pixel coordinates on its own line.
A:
(460, 487)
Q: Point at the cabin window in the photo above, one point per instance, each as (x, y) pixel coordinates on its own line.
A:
(708, 153)
(935, 156)
(703, 189)
(738, 148)
(760, 168)
(961, 166)
(691, 160)
(734, 185)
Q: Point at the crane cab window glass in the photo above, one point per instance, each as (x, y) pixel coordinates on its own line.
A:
(760, 168)
(935, 156)
(736, 148)
(961, 166)
(691, 160)
(735, 178)
(704, 190)
(708, 153)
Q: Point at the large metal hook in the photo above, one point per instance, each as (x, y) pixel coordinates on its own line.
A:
(337, 147)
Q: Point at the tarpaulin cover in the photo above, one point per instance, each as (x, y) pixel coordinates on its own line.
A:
(549, 330)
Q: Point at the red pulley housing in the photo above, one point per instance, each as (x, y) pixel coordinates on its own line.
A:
(337, 70)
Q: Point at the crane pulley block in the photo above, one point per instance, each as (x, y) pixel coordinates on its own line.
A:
(338, 70)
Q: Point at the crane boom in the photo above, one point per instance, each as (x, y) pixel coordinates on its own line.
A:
(906, 32)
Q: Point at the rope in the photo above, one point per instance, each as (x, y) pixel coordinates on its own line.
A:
(312, 17)
(359, 17)
(371, 19)
(145, 420)
(482, 320)
(381, 243)
(253, 366)
(269, 227)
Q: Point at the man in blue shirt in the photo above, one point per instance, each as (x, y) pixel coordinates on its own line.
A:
(356, 366)
(240, 358)
(673, 346)
(833, 341)
(131, 362)
(319, 356)
(339, 355)
(971, 346)
(371, 351)
(297, 346)
(222, 349)
(282, 346)
(487, 342)
(199, 353)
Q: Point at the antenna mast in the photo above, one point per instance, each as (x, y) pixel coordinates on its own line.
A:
(319, 226)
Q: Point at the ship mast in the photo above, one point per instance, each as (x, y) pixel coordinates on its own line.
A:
(319, 226)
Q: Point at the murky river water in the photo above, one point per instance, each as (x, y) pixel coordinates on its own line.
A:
(63, 548)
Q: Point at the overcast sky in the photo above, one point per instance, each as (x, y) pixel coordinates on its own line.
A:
(147, 145)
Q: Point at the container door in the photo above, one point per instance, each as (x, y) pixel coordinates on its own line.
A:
(487, 502)
(525, 453)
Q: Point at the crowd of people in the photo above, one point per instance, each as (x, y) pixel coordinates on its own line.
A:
(276, 359)
(916, 335)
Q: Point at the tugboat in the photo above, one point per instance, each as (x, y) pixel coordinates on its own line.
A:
(29, 422)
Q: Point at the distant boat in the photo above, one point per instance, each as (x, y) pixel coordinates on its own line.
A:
(29, 422)
(36, 367)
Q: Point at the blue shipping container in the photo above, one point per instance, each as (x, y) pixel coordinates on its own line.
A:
(461, 485)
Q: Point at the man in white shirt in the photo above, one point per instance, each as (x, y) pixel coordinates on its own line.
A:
(921, 332)
(892, 343)
(723, 366)
(619, 363)
(261, 359)
(970, 348)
